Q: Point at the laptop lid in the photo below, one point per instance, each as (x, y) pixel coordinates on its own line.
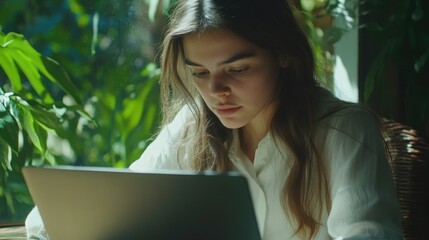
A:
(94, 203)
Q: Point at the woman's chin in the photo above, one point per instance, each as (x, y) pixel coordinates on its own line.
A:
(231, 124)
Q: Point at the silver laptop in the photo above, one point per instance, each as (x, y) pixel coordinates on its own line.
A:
(94, 203)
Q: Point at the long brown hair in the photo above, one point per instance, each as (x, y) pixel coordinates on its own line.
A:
(271, 25)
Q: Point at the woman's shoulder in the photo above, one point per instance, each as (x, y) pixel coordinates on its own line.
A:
(350, 114)
(335, 111)
(347, 120)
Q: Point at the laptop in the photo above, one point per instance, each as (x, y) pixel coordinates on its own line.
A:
(97, 203)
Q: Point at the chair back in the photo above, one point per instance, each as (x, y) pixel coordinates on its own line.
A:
(409, 158)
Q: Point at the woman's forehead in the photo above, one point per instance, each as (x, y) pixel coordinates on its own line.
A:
(215, 43)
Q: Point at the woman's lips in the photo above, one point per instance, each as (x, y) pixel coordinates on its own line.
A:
(227, 110)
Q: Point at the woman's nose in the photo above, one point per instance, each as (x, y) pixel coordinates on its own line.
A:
(219, 86)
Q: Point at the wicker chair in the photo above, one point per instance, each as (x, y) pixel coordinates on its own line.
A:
(410, 166)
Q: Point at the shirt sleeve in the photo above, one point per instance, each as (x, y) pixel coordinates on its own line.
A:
(167, 150)
(364, 201)
(34, 226)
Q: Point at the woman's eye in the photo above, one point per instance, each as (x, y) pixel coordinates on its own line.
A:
(238, 70)
(200, 74)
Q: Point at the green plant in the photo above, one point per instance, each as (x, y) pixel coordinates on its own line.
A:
(394, 52)
(396, 34)
(105, 48)
(28, 113)
(326, 22)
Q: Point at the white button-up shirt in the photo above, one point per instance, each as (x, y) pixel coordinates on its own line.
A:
(364, 204)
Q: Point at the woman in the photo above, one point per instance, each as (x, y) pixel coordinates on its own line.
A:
(239, 93)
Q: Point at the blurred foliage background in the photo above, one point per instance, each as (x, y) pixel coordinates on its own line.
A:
(394, 60)
(78, 87)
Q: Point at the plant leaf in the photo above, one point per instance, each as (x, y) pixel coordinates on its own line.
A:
(421, 61)
(153, 7)
(32, 63)
(56, 73)
(28, 60)
(33, 75)
(5, 157)
(40, 114)
(10, 69)
(21, 111)
(133, 108)
(375, 74)
(9, 130)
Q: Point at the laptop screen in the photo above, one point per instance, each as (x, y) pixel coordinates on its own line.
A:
(108, 203)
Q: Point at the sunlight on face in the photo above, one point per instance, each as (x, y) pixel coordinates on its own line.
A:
(236, 78)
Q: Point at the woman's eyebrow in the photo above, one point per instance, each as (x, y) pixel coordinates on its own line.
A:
(234, 58)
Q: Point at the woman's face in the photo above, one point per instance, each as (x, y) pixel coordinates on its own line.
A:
(236, 78)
